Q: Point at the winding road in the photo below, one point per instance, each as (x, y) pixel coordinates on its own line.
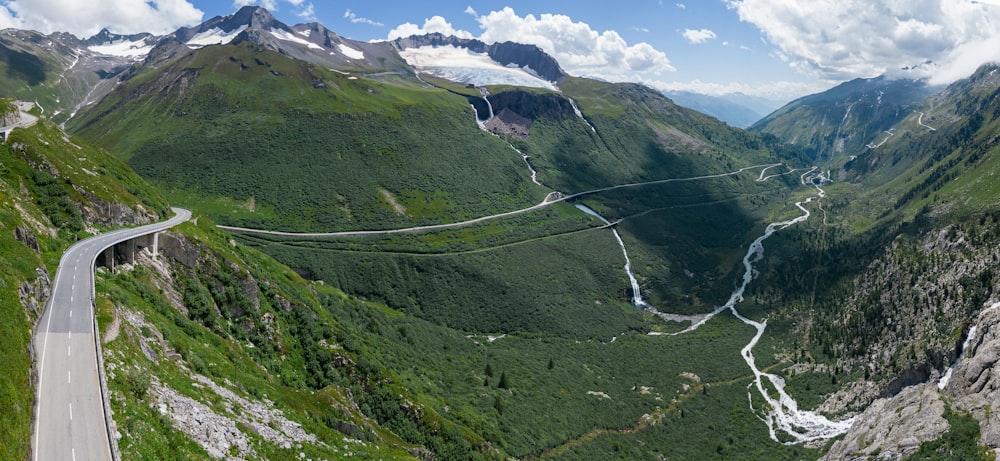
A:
(554, 197)
(70, 420)
(780, 411)
(920, 121)
(26, 118)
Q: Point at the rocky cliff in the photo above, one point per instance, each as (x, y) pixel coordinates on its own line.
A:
(975, 382)
(895, 427)
(506, 53)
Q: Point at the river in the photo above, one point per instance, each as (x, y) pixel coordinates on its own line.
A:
(780, 411)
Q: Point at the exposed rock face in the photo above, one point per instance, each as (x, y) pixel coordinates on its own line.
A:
(533, 105)
(10, 118)
(509, 123)
(179, 249)
(24, 235)
(218, 434)
(34, 294)
(107, 214)
(975, 381)
(215, 433)
(505, 53)
(895, 427)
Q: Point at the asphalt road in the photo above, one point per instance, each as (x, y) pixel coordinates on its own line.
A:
(70, 423)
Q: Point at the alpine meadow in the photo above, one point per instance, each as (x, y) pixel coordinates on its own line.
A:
(441, 247)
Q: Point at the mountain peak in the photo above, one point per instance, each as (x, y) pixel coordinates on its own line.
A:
(255, 17)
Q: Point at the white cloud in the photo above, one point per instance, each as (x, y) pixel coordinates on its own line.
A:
(84, 19)
(355, 19)
(308, 13)
(843, 39)
(271, 5)
(470, 10)
(698, 36)
(435, 24)
(681, 6)
(579, 49)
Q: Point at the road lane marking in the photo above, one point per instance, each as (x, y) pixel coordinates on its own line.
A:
(69, 351)
(69, 377)
(71, 412)
(74, 454)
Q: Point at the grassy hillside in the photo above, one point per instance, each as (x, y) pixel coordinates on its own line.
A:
(53, 190)
(339, 152)
(880, 291)
(841, 121)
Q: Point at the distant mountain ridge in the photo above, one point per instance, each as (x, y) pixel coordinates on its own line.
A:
(847, 117)
(736, 109)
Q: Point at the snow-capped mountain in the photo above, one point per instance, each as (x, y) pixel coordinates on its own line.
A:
(135, 46)
(312, 42)
(76, 73)
(474, 62)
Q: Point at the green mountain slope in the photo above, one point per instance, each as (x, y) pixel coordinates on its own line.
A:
(340, 152)
(905, 251)
(843, 120)
(54, 189)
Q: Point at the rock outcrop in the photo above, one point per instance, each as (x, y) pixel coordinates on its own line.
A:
(99, 212)
(506, 53)
(10, 118)
(35, 293)
(220, 434)
(894, 427)
(975, 382)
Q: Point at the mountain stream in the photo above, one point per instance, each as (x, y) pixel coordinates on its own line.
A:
(782, 414)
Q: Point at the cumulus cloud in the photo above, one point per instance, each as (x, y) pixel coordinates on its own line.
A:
(843, 39)
(84, 19)
(269, 4)
(579, 49)
(698, 36)
(435, 24)
(355, 19)
(308, 13)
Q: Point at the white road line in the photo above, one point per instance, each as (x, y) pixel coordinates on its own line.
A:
(69, 351)
(71, 412)
(71, 313)
(69, 377)
(74, 454)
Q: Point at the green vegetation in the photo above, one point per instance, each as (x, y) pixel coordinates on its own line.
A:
(350, 154)
(52, 188)
(960, 442)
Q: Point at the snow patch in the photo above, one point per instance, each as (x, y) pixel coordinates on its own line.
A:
(351, 52)
(283, 35)
(123, 48)
(214, 36)
(462, 65)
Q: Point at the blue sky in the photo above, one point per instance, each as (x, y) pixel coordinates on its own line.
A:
(773, 48)
(735, 57)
